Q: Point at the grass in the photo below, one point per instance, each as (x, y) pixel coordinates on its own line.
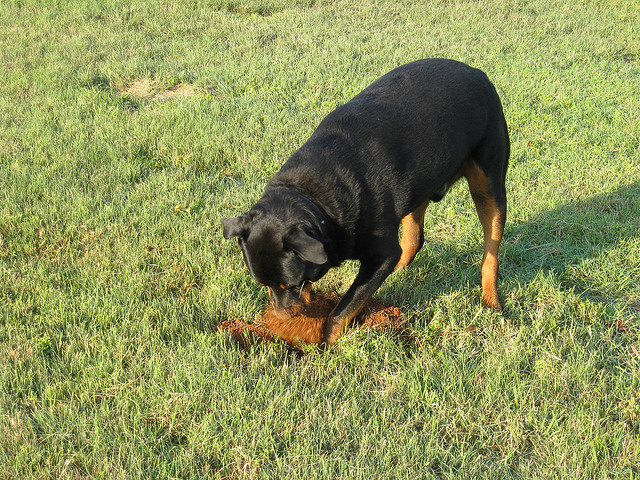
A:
(114, 274)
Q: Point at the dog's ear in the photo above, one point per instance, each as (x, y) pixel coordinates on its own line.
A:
(307, 247)
(235, 227)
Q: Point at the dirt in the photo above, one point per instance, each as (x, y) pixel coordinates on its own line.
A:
(307, 327)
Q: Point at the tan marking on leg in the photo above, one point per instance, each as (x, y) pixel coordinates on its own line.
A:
(412, 226)
(493, 228)
(337, 326)
(492, 220)
(333, 329)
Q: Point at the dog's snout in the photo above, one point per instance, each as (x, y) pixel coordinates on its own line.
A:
(288, 302)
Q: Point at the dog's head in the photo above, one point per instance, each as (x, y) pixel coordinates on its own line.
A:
(284, 249)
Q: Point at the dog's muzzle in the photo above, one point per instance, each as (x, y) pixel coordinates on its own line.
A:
(289, 302)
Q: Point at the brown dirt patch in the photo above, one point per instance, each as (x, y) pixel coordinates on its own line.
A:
(152, 91)
(307, 327)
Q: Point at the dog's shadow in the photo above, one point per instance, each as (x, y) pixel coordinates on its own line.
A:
(569, 243)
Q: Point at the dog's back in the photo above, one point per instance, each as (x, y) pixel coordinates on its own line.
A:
(401, 141)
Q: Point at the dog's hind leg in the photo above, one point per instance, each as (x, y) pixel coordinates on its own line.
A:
(412, 235)
(491, 204)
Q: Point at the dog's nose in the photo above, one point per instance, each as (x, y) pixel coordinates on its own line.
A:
(285, 303)
(286, 313)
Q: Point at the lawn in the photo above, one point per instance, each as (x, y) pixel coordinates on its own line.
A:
(128, 129)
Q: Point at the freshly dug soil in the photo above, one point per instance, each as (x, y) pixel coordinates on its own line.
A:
(307, 327)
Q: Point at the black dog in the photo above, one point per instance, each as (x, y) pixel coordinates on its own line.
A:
(372, 164)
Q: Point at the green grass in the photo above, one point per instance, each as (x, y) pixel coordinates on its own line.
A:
(114, 274)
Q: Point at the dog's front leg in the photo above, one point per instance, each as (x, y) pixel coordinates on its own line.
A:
(371, 275)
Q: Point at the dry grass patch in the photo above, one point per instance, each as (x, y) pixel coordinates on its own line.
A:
(153, 91)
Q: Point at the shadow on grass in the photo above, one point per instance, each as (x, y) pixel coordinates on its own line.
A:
(576, 244)
(567, 238)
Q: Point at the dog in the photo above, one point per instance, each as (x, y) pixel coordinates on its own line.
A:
(373, 164)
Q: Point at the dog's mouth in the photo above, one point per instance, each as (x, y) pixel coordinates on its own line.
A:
(290, 302)
(283, 313)
(306, 295)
